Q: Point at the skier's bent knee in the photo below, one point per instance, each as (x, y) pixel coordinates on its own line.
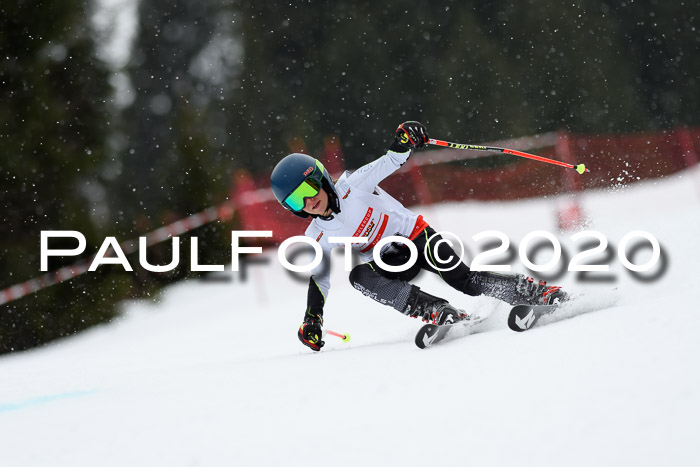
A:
(358, 273)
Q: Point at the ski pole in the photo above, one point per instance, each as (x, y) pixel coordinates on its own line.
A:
(344, 337)
(580, 168)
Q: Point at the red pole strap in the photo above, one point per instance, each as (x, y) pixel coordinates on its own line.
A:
(580, 168)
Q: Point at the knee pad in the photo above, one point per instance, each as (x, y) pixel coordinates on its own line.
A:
(391, 292)
(360, 274)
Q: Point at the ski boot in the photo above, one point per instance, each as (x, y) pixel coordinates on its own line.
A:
(431, 309)
(538, 293)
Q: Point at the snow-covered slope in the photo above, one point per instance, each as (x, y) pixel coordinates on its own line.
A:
(213, 374)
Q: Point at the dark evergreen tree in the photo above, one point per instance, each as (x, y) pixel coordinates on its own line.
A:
(53, 122)
(476, 71)
(178, 158)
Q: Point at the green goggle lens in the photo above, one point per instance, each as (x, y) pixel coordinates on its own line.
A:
(308, 189)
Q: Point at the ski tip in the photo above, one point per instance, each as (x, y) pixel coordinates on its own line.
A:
(581, 168)
(521, 318)
(424, 335)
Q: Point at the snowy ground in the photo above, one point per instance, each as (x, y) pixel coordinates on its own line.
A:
(213, 374)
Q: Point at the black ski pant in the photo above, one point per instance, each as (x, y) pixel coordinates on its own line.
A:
(393, 288)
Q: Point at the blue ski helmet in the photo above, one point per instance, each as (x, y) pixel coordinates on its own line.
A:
(300, 176)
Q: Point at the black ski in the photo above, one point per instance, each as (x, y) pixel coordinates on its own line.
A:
(431, 334)
(524, 317)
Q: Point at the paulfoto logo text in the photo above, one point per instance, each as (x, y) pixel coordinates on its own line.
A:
(631, 241)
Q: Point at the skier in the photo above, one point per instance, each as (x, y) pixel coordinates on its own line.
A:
(355, 206)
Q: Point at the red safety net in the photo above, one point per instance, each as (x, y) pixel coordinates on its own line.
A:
(438, 175)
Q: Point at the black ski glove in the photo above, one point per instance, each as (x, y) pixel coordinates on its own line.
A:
(310, 332)
(411, 135)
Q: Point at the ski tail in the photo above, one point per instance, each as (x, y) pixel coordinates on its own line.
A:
(431, 334)
(524, 317)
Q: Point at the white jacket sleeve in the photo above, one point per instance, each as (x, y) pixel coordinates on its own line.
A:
(369, 176)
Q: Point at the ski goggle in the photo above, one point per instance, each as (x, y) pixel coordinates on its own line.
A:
(308, 189)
